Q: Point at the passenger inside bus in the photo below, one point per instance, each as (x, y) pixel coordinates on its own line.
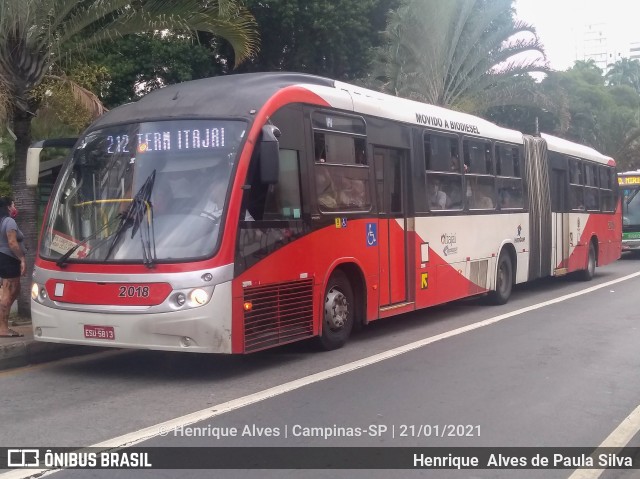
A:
(352, 194)
(437, 198)
(325, 188)
(455, 164)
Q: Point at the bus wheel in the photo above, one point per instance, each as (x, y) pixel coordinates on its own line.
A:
(338, 310)
(504, 280)
(587, 274)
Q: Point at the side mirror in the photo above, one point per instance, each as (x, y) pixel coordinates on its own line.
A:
(33, 165)
(269, 155)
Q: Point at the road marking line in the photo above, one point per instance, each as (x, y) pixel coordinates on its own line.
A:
(620, 437)
(166, 427)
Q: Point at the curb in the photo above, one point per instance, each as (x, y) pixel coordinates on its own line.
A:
(27, 352)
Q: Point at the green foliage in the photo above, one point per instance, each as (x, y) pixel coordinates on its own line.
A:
(332, 38)
(458, 53)
(38, 34)
(7, 152)
(602, 113)
(5, 189)
(138, 64)
(625, 72)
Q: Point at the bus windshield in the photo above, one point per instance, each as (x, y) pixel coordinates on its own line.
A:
(143, 192)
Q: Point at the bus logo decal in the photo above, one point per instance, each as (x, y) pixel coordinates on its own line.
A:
(372, 234)
(447, 250)
(449, 240)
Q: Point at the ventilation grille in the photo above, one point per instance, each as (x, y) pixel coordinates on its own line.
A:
(280, 313)
(478, 273)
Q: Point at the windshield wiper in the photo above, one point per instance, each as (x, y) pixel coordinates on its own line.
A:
(134, 215)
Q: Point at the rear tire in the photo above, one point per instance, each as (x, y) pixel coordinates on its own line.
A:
(337, 312)
(588, 273)
(504, 280)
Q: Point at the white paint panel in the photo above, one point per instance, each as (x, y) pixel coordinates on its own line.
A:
(567, 147)
(368, 102)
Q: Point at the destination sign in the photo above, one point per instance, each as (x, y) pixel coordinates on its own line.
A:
(629, 180)
(167, 140)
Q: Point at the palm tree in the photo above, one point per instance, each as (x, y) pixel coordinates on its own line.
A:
(37, 36)
(624, 72)
(463, 54)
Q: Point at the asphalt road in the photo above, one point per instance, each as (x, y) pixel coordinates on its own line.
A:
(557, 374)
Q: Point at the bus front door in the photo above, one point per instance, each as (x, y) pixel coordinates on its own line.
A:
(390, 166)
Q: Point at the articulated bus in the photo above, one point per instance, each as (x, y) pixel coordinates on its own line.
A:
(629, 183)
(238, 213)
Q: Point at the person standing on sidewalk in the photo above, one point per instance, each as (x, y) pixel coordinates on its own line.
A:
(12, 263)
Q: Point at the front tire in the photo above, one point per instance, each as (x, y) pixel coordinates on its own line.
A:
(588, 273)
(337, 312)
(504, 280)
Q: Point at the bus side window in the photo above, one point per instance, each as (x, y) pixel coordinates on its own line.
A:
(283, 199)
(576, 188)
(607, 202)
(509, 172)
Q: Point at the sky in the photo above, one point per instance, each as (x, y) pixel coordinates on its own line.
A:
(560, 24)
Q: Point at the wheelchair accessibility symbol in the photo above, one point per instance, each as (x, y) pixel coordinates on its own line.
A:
(372, 234)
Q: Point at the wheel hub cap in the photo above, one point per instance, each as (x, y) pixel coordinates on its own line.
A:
(336, 309)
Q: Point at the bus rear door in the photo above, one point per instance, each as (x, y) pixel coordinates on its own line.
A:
(391, 168)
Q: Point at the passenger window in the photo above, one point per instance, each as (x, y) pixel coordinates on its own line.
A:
(607, 196)
(510, 186)
(444, 191)
(480, 192)
(477, 157)
(576, 190)
(338, 149)
(575, 172)
(441, 153)
(283, 200)
(342, 188)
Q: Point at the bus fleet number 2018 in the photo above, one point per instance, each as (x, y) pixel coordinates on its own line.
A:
(133, 292)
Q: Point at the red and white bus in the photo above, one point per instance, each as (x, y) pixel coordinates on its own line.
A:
(238, 213)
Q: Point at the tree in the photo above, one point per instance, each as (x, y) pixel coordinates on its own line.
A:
(36, 36)
(462, 54)
(140, 63)
(625, 72)
(598, 114)
(333, 38)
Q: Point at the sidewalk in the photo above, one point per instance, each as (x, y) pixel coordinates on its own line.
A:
(16, 352)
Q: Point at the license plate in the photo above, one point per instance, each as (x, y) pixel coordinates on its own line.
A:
(99, 332)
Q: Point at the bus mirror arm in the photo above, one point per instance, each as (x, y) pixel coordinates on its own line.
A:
(269, 155)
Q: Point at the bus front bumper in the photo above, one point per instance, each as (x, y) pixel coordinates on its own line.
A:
(206, 329)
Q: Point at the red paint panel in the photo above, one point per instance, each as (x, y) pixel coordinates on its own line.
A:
(316, 254)
(397, 262)
(608, 231)
(383, 245)
(117, 294)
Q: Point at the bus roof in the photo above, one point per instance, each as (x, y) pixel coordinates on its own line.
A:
(207, 97)
(567, 147)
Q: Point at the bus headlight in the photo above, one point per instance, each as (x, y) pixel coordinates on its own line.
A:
(199, 296)
(180, 299)
(38, 293)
